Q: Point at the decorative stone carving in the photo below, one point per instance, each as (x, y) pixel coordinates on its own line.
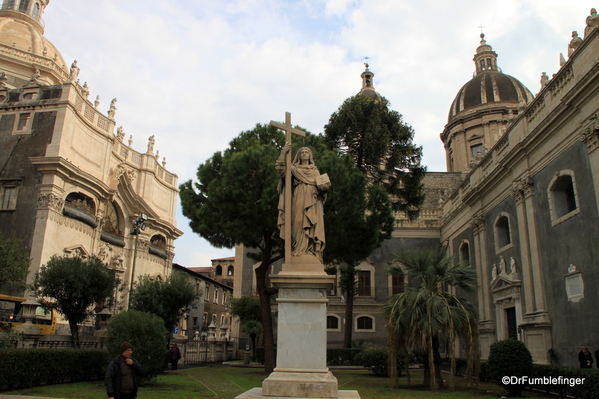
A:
(494, 272)
(513, 268)
(97, 102)
(112, 110)
(50, 201)
(522, 188)
(104, 252)
(502, 266)
(85, 90)
(74, 72)
(590, 133)
(544, 80)
(130, 140)
(151, 142)
(123, 170)
(120, 134)
(3, 79)
(143, 245)
(118, 262)
(477, 223)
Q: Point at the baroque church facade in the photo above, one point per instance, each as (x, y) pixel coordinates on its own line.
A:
(70, 181)
(518, 202)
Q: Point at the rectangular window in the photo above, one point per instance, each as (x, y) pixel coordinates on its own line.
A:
(207, 296)
(397, 286)
(365, 285)
(8, 197)
(205, 321)
(512, 324)
(196, 326)
(23, 123)
(216, 295)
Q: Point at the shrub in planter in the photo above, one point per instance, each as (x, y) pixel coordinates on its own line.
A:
(377, 361)
(342, 356)
(509, 358)
(146, 333)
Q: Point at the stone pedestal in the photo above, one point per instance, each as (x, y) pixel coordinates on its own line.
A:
(301, 370)
(301, 336)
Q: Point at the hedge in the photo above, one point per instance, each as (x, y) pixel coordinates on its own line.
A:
(24, 368)
(587, 390)
(335, 356)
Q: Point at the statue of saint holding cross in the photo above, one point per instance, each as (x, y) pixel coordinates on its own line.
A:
(301, 202)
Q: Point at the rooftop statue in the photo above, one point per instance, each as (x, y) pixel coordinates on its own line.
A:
(592, 22)
(574, 43)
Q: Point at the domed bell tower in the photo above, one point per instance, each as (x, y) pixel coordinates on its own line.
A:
(481, 111)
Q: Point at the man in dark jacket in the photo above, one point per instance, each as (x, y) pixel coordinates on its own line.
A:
(585, 358)
(122, 376)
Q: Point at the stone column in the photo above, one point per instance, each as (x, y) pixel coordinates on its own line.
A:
(486, 324)
(525, 262)
(536, 325)
(590, 136)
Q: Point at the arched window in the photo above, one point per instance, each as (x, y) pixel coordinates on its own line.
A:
(465, 252)
(218, 270)
(81, 207)
(503, 236)
(230, 271)
(333, 322)
(563, 197)
(158, 246)
(364, 323)
(35, 11)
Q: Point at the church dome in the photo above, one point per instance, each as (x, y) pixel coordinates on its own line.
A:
(22, 41)
(489, 86)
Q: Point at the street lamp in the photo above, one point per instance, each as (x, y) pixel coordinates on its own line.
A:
(138, 224)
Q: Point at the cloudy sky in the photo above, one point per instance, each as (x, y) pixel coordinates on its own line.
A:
(195, 73)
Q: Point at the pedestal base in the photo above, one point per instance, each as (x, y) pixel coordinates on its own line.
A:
(256, 393)
(300, 385)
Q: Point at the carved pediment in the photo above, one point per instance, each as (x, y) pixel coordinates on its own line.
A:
(77, 250)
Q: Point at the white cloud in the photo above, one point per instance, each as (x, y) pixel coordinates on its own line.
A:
(195, 74)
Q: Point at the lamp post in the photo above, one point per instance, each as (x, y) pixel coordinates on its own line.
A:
(138, 225)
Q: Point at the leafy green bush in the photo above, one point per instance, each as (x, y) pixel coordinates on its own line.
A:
(8, 338)
(23, 368)
(146, 333)
(377, 361)
(509, 358)
(342, 356)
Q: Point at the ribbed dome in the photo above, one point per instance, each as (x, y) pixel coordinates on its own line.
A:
(489, 86)
(486, 88)
(21, 29)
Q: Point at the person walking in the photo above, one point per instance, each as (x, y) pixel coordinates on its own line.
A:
(122, 375)
(585, 358)
(175, 356)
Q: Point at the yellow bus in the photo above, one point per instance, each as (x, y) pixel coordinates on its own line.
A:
(11, 314)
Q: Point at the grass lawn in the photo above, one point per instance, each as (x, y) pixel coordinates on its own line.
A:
(228, 382)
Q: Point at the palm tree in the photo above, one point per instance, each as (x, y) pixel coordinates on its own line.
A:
(429, 308)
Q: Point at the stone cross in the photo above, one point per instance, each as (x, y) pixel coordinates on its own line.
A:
(288, 129)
